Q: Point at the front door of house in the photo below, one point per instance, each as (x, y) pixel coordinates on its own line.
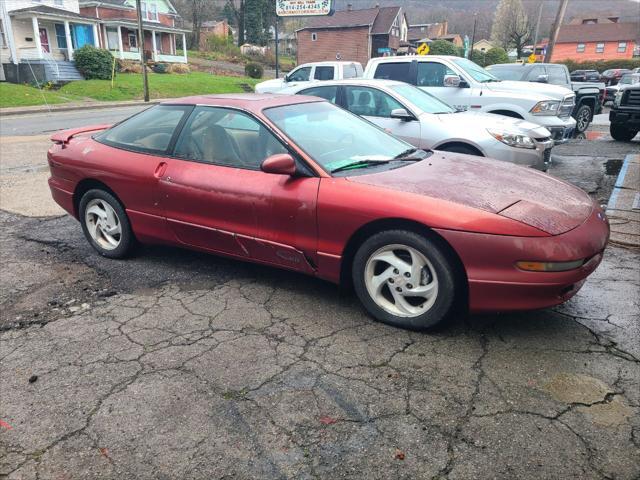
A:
(44, 40)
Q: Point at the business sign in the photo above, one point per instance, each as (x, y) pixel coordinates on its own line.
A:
(300, 8)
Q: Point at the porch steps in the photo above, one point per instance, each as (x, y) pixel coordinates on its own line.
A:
(66, 72)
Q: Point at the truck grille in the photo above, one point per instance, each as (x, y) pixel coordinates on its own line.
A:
(631, 97)
(547, 156)
(566, 107)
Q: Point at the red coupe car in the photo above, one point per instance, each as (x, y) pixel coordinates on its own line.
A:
(299, 183)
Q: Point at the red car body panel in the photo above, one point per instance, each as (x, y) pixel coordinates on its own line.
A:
(492, 214)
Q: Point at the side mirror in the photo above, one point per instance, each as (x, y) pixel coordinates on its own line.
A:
(452, 81)
(543, 79)
(280, 164)
(401, 114)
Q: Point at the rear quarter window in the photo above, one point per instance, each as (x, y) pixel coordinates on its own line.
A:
(393, 71)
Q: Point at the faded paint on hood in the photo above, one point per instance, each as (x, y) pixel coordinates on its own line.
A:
(519, 193)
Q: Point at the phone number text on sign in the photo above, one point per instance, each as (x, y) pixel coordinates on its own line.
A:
(289, 8)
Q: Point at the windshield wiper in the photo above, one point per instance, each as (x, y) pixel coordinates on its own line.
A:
(359, 164)
(490, 80)
(408, 155)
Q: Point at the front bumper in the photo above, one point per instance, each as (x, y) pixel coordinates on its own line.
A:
(631, 118)
(496, 284)
(561, 128)
(538, 158)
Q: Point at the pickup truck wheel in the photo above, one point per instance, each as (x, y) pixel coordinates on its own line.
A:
(583, 118)
(621, 133)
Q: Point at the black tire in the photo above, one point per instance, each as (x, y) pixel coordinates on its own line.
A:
(443, 266)
(460, 148)
(621, 133)
(127, 240)
(583, 117)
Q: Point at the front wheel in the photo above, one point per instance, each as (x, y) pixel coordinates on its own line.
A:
(621, 133)
(404, 279)
(583, 118)
(460, 148)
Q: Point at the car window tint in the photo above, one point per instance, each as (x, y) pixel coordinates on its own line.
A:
(223, 136)
(370, 102)
(534, 73)
(300, 75)
(431, 74)
(328, 93)
(149, 131)
(557, 75)
(349, 71)
(393, 71)
(323, 73)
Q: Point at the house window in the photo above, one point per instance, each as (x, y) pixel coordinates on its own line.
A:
(61, 36)
(314, 37)
(599, 47)
(580, 48)
(622, 47)
(133, 42)
(112, 38)
(150, 11)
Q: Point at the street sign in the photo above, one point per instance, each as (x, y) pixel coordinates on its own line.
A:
(303, 8)
(531, 58)
(423, 49)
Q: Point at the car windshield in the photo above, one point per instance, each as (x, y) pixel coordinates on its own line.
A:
(421, 99)
(474, 70)
(629, 79)
(344, 138)
(507, 73)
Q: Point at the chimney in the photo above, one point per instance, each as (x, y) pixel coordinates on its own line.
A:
(349, 6)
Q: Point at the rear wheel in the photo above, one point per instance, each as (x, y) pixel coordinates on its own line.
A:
(105, 224)
(583, 118)
(404, 279)
(621, 133)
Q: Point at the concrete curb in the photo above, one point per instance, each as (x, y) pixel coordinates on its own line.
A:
(622, 208)
(68, 107)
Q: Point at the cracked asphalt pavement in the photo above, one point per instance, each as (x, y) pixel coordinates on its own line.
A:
(177, 364)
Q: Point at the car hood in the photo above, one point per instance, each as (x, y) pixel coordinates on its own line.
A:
(466, 120)
(555, 92)
(514, 192)
(270, 85)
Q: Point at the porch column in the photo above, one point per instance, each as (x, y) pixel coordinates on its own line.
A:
(36, 36)
(67, 36)
(184, 46)
(105, 38)
(96, 37)
(120, 41)
(153, 44)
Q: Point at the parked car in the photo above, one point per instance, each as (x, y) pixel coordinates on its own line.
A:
(613, 75)
(589, 96)
(299, 183)
(425, 122)
(585, 76)
(624, 116)
(627, 79)
(467, 86)
(311, 72)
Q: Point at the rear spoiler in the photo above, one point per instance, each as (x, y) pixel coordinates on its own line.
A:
(63, 137)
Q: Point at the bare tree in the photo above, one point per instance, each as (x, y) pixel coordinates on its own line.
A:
(197, 11)
(511, 27)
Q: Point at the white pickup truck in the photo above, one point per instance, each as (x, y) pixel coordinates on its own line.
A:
(467, 86)
(312, 72)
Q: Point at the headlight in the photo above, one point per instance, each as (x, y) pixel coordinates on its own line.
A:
(546, 107)
(513, 139)
(618, 98)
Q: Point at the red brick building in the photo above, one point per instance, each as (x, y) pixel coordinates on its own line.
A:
(356, 35)
(213, 28)
(597, 39)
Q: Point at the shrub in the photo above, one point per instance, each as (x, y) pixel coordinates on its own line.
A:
(94, 63)
(129, 66)
(160, 67)
(601, 65)
(253, 70)
(178, 68)
(442, 47)
(490, 57)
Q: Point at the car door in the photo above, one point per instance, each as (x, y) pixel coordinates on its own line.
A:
(431, 78)
(299, 76)
(215, 196)
(376, 106)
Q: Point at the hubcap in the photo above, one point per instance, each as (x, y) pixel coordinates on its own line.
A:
(401, 280)
(103, 224)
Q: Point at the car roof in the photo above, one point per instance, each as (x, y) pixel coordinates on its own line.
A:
(410, 58)
(253, 102)
(372, 82)
(328, 62)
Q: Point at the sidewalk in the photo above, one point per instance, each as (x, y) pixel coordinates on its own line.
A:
(65, 107)
(623, 208)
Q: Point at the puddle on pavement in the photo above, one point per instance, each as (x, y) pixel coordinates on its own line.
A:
(576, 388)
(613, 166)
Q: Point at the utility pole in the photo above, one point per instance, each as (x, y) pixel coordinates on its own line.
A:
(277, 57)
(145, 80)
(535, 36)
(473, 35)
(556, 28)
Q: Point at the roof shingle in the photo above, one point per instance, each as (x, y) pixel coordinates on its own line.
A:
(599, 32)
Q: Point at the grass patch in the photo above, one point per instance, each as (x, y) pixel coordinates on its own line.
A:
(18, 95)
(128, 86)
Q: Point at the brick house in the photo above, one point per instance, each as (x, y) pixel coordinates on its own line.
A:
(213, 28)
(118, 27)
(597, 39)
(421, 32)
(355, 35)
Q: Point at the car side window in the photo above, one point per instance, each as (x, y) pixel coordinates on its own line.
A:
(223, 136)
(534, 73)
(150, 131)
(300, 75)
(349, 71)
(393, 71)
(370, 102)
(328, 93)
(431, 74)
(557, 75)
(323, 73)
